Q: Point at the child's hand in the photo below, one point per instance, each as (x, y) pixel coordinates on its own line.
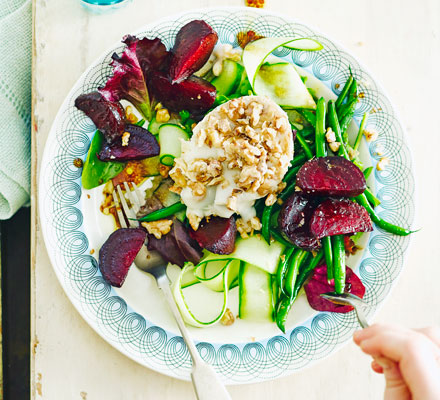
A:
(409, 360)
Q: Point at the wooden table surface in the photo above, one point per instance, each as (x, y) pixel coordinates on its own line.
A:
(398, 40)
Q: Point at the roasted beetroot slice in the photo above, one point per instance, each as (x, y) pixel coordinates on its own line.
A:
(319, 284)
(176, 246)
(141, 144)
(331, 176)
(295, 213)
(118, 253)
(339, 217)
(193, 94)
(188, 246)
(192, 48)
(217, 235)
(293, 222)
(167, 247)
(108, 116)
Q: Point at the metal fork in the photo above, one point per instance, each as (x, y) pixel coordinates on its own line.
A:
(207, 384)
(350, 300)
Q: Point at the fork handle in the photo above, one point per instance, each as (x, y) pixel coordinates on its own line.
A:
(206, 382)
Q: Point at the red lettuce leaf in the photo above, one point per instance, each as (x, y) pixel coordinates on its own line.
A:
(318, 284)
(131, 69)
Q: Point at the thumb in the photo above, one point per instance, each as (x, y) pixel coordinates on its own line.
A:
(395, 388)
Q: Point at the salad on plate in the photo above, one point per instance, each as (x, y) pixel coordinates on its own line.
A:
(249, 180)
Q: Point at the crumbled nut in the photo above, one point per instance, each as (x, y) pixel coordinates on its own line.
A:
(255, 3)
(158, 228)
(125, 138)
(280, 201)
(175, 189)
(382, 164)
(283, 257)
(246, 228)
(231, 203)
(371, 135)
(334, 146)
(129, 115)
(78, 163)
(352, 153)
(158, 106)
(330, 136)
(194, 220)
(92, 251)
(162, 115)
(198, 189)
(270, 200)
(228, 318)
(164, 170)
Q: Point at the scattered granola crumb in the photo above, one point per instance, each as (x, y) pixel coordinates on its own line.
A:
(125, 138)
(88, 196)
(254, 3)
(92, 251)
(371, 134)
(78, 163)
(330, 135)
(334, 146)
(382, 164)
(228, 318)
(162, 115)
(158, 228)
(164, 170)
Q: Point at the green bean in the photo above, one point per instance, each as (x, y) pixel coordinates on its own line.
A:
(164, 212)
(327, 245)
(292, 273)
(381, 223)
(309, 116)
(282, 267)
(371, 197)
(334, 125)
(285, 302)
(300, 159)
(346, 119)
(291, 173)
(367, 172)
(290, 189)
(279, 238)
(307, 131)
(339, 263)
(304, 145)
(320, 129)
(357, 142)
(283, 308)
(265, 223)
(351, 95)
(344, 91)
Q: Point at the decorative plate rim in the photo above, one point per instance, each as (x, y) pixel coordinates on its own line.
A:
(292, 344)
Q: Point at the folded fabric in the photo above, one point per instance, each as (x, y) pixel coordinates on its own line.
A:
(15, 104)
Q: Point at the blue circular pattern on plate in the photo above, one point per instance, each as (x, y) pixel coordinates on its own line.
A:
(151, 345)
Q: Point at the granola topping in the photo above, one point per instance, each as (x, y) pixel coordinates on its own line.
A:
(238, 153)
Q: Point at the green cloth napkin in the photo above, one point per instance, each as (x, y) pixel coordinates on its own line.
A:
(15, 104)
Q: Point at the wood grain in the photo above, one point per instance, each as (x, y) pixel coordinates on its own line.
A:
(400, 43)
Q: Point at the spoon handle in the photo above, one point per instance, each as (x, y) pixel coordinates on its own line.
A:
(206, 382)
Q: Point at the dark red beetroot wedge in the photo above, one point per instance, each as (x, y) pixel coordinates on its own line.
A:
(192, 48)
(108, 116)
(293, 222)
(318, 284)
(118, 253)
(187, 245)
(339, 217)
(331, 176)
(217, 235)
(141, 144)
(193, 94)
(167, 247)
(176, 246)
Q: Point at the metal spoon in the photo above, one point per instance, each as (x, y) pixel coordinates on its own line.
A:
(348, 299)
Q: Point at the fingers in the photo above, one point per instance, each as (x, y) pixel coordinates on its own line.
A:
(432, 333)
(376, 367)
(413, 355)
